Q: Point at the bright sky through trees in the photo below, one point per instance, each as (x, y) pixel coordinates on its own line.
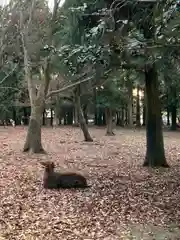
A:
(51, 2)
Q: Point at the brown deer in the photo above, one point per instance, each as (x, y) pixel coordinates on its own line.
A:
(55, 180)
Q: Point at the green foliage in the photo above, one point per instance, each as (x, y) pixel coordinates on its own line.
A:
(113, 93)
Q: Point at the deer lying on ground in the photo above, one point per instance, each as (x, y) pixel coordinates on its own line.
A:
(55, 180)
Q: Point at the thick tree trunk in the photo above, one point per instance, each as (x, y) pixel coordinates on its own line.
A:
(155, 155)
(33, 138)
(109, 122)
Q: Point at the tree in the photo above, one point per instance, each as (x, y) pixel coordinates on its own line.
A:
(82, 120)
(135, 50)
(38, 58)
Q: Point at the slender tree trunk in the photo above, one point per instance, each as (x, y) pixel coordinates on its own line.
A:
(130, 102)
(138, 123)
(174, 110)
(14, 115)
(44, 118)
(168, 117)
(155, 155)
(85, 107)
(33, 139)
(109, 122)
(51, 119)
(95, 107)
(173, 117)
(56, 117)
(144, 111)
(122, 116)
(118, 118)
(83, 125)
(130, 114)
(82, 121)
(76, 118)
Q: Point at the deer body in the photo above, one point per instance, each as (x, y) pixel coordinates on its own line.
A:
(55, 180)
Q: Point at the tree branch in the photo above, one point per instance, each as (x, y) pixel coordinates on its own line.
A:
(31, 87)
(69, 87)
(11, 72)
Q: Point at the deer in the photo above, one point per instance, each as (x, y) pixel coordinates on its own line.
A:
(56, 180)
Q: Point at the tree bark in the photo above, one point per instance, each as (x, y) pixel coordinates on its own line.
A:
(37, 96)
(168, 117)
(33, 138)
(76, 120)
(144, 111)
(173, 118)
(109, 122)
(138, 123)
(51, 119)
(44, 118)
(174, 111)
(155, 155)
(56, 118)
(130, 107)
(82, 121)
(85, 107)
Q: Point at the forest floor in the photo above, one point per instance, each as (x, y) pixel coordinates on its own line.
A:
(125, 201)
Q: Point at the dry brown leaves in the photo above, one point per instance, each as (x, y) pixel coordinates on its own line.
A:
(124, 199)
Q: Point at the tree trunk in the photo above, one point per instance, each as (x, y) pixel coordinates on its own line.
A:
(14, 115)
(51, 119)
(109, 122)
(44, 118)
(118, 118)
(82, 121)
(104, 118)
(85, 109)
(56, 123)
(155, 155)
(173, 117)
(174, 110)
(33, 138)
(168, 117)
(130, 115)
(83, 125)
(126, 115)
(144, 111)
(76, 119)
(130, 105)
(138, 123)
(95, 107)
(70, 117)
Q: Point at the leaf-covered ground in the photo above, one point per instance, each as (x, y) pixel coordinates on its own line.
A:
(126, 201)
